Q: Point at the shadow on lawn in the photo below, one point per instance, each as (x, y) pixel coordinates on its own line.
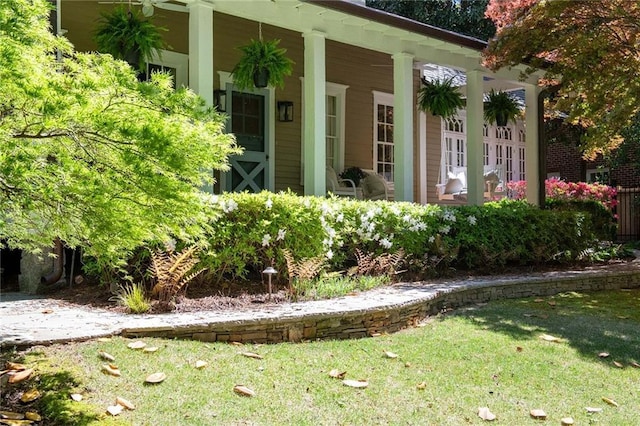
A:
(592, 323)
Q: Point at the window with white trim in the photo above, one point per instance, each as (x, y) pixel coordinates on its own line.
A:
(336, 95)
(599, 175)
(383, 134)
(455, 145)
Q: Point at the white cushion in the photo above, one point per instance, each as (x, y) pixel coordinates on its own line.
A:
(461, 176)
(453, 186)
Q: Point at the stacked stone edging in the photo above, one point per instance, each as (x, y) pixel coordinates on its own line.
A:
(419, 300)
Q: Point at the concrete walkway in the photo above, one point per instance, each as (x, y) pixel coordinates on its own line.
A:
(27, 320)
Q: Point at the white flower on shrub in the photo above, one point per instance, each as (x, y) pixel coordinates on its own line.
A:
(209, 198)
(329, 254)
(281, 234)
(376, 237)
(266, 238)
(325, 208)
(268, 204)
(306, 202)
(340, 218)
(472, 220)
(449, 216)
(386, 243)
(445, 229)
(228, 206)
(432, 239)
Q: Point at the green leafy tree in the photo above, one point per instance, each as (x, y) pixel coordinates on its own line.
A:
(464, 17)
(589, 52)
(90, 155)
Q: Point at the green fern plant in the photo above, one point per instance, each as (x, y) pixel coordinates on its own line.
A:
(261, 56)
(173, 271)
(500, 108)
(126, 35)
(440, 97)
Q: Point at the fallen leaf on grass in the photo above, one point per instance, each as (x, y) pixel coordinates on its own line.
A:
(138, 344)
(355, 383)
(201, 364)
(236, 343)
(112, 370)
(609, 401)
(518, 348)
(593, 409)
(20, 376)
(103, 339)
(106, 356)
(635, 364)
(485, 414)
(15, 422)
(337, 374)
(150, 349)
(155, 378)
(566, 421)
(243, 390)
(422, 385)
(15, 366)
(252, 355)
(11, 415)
(617, 364)
(125, 403)
(603, 354)
(549, 338)
(551, 303)
(33, 416)
(537, 413)
(114, 410)
(30, 395)
(76, 397)
(389, 354)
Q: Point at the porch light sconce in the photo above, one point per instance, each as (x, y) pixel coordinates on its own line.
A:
(220, 100)
(285, 111)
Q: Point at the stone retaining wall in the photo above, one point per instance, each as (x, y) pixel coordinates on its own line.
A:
(393, 317)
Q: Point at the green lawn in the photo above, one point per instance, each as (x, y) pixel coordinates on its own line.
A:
(481, 356)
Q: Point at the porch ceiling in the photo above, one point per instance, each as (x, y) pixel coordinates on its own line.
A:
(360, 26)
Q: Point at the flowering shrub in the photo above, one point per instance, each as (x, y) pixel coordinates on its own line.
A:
(248, 232)
(557, 189)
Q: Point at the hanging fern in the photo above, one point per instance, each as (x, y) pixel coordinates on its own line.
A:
(440, 97)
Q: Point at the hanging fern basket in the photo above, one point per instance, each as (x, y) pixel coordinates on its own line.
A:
(261, 78)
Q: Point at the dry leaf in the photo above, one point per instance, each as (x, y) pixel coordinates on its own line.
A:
(125, 403)
(33, 416)
(16, 422)
(635, 364)
(47, 311)
(30, 395)
(252, 355)
(566, 421)
(111, 369)
(355, 383)
(11, 415)
(114, 410)
(76, 397)
(609, 401)
(103, 339)
(537, 413)
(551, 303)
(485, 414)
(422, 385)
(407, 364)
(549, 338)
(389, 354)
(236, 343)
(15, 366)
(538, 300)
(20, 376)
(518, 348)
(617, 364)
(593, 409)
(201, 364)
(155, 378)
(106, 356)
(243, 390)
(603, 354)
(138, 344)
(150, 349)
(337, 374)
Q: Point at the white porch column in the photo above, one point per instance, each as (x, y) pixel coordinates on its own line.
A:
(532, 163)
(403, 108)
(315, 114)
(422, 158)
(201, 50)
(475, 121)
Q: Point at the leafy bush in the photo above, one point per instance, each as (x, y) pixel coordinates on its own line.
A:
(248, 232)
